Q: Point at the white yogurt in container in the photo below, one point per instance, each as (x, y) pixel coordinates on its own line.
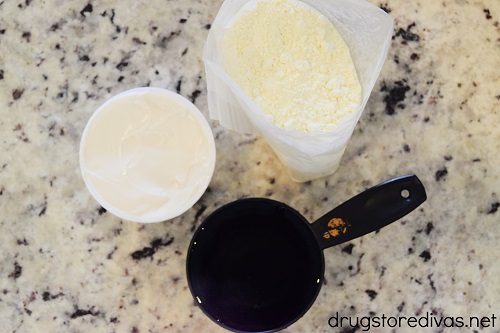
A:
(147, 155)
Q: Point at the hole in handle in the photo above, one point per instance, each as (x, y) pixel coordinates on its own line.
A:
(405, 194)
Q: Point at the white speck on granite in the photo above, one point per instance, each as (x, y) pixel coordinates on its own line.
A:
(67, 265)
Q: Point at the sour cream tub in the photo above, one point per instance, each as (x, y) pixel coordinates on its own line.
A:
(147, 155)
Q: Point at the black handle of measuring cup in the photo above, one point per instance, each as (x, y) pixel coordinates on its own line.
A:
(370, 210)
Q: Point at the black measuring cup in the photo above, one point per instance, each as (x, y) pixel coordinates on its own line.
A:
(257, 265)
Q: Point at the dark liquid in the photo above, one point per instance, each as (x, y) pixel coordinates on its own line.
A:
(255, 265)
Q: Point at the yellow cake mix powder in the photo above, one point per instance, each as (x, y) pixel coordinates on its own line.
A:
(293, 63)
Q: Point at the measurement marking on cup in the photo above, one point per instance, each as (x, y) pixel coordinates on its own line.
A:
(337, 227)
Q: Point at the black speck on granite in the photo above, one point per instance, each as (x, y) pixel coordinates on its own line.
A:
(22, 242)
(47, 296)
(16, 273)
(194, 95)
(163, 40)
(348, 248)
(441, 174)
(425, 255)
(149, 251)
(178, 86)
(487, 14)
(87, 9)
(80, 313)
(395, 94)
(431, 282)
(17, 94)
(494, 208)
(371, 293)
(385, 8)
(27, 36)
(407, 35)
(429, 227)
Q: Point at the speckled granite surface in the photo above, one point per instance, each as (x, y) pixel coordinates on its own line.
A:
(66, 265)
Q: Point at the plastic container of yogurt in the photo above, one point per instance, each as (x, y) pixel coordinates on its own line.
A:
(147, 155)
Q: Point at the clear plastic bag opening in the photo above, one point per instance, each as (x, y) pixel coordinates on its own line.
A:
(366, 29)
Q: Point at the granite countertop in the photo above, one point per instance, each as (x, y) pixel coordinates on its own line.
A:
(67, 265)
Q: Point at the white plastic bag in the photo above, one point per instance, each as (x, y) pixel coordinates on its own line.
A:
(366, 29)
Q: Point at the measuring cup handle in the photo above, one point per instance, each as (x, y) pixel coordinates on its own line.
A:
(370, 210)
